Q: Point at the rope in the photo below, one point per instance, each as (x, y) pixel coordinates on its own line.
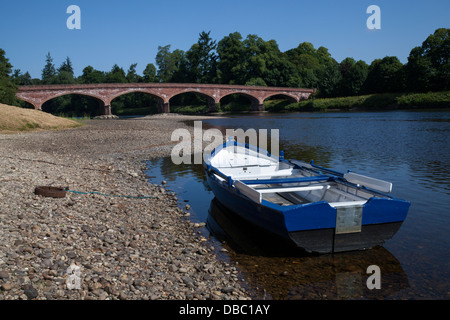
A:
(111, 195)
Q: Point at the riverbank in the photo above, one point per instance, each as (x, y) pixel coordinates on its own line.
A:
(378, 101)
(15, 119)
(126, 248)
(381, 101)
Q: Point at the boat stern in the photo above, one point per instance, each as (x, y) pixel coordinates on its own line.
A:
(322, 228)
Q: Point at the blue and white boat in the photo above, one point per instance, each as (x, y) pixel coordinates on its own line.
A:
(314, 208)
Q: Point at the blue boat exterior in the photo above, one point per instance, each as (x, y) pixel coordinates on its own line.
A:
(312, 225)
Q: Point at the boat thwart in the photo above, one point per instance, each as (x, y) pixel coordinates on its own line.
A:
(315, 208)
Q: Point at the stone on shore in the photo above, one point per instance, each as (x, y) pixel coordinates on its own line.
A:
(96, 247)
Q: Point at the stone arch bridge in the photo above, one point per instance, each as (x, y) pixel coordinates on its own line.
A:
(105, 93)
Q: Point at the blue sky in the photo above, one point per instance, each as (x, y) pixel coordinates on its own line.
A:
(126, 32)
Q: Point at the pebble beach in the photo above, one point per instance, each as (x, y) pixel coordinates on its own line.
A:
(127, 238)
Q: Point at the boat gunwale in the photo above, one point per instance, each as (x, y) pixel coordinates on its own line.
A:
(332, 176)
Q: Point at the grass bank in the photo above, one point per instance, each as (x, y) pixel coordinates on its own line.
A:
(16, 119)
(365, 102)
(381, 101)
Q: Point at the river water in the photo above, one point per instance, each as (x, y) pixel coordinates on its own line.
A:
(411, 149)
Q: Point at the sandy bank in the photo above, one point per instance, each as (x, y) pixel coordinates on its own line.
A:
(15, 119)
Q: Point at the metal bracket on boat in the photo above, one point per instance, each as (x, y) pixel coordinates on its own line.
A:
(348, 219)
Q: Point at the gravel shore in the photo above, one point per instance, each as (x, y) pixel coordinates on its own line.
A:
(92, 246)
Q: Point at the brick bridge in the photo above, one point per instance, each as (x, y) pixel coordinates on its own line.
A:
(105, 93)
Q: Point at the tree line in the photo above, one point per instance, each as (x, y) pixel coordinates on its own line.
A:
(254, 61)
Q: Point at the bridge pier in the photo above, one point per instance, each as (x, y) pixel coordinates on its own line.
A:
(212, 105)
(163, 107)
(257, 106)
(104, 109)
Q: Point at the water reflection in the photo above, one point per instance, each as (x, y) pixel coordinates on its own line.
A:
(276, 271)
(410, 149)
(271, 268)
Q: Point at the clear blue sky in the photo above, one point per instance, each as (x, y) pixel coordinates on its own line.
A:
(126, 32)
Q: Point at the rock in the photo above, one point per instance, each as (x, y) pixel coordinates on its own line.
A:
(227, 290)
(4, 275)
(7, 286)
(47, 263)
(106, 117)
(30, 292)
(156, 225)
(188, 281)
(123, 296)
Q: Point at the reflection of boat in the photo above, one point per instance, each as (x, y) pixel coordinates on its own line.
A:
(277, 273)
(317, 209)
(243, 237)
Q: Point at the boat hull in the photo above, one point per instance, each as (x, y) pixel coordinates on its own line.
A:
(312, 227)
(327, 241)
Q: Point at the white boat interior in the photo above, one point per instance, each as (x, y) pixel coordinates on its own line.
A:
(262, 177)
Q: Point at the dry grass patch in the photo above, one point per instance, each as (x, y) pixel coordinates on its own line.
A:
(15, 119)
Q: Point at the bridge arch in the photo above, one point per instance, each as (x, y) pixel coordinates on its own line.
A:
(141, 101)
(134, 90)
(256, 104)
(92, 109)
(163, 101)
(48, 98)
(210, 99)
(287, 96)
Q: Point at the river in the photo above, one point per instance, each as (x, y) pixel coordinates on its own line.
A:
(411, 149)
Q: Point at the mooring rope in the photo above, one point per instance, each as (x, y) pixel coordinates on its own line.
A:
(112, 195)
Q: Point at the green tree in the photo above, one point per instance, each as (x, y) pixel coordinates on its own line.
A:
(357, 75)
(132, 76)
(313, 66)
(202, 60)
(345, 65)
(253, 60)
(5, 66)
(171, 65)
(264, 63)
(305, 56)
(21, 79)
(7, 87)
(66, 66)
(324, 56)
(231, 63)
(63, 77)
(90, 75)
(150, 73)
(49, 71)
(428, 66)
(419, 71)
(328, 79)
(354, 75)
(385, 75)
(116, 75)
